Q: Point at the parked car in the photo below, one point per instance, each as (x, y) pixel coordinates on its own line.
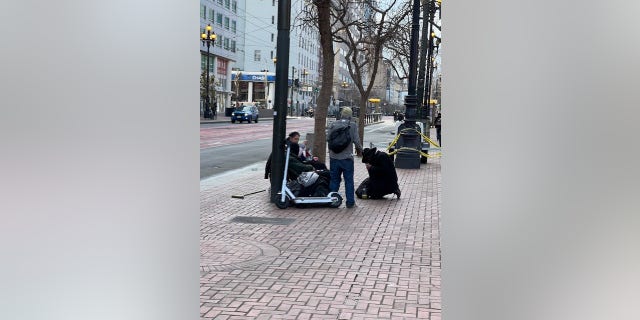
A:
(245, 113)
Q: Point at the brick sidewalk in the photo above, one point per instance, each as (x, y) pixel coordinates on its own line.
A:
(379, 260)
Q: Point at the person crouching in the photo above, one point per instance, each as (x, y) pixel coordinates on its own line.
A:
(382, 180)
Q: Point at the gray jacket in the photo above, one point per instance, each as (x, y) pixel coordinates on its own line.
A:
(355, 138)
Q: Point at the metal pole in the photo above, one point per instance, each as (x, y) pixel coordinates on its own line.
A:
(207, 107)
(293, 84)
(280, 100)
(426, 30)
(408, 130)
(410, 100)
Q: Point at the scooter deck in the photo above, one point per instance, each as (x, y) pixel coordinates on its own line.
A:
(302, 200)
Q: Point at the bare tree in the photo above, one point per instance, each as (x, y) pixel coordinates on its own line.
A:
(337, 22)
(396, 50)
(365, 40)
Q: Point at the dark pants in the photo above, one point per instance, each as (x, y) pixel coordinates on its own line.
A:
(339, 168)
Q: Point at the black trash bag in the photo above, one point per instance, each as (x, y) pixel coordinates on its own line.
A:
(320, 188)
(295, 187)
(361, 191)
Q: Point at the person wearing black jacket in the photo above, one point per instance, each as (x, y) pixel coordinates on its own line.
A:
(383, 179)
(296, 166)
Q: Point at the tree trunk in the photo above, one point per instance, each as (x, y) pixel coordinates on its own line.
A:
(320, 114)
(361, 118)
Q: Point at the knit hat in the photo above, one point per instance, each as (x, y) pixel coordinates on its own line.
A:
(346, 112)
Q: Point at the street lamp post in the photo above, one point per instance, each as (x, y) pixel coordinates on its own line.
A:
(344, 86)
(409, 138)
(208, 39)
(293, 84)
(305, 73)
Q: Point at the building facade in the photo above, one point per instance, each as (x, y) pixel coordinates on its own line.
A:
(254, 73)
(223, 16)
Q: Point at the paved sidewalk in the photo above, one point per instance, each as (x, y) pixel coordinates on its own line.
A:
(379, 260)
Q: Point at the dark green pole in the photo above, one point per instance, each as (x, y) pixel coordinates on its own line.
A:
(423, 59)
(411, 98)
(409, 138)
(280, 99)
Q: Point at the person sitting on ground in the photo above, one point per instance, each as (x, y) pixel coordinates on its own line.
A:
(383, 179)
(296, 166)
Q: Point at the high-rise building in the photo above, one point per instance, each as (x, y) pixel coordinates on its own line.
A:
(257, 50)
(223, 16)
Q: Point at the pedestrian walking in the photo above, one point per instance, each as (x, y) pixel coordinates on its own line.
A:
(341, 161)
(438, 125)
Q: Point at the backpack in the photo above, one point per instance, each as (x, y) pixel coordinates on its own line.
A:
(340, 138)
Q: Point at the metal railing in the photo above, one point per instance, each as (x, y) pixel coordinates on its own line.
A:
(373, 118)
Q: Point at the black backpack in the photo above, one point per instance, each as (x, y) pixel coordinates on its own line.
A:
(340, 138)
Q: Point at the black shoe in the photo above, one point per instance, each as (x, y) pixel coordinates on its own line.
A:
(397, 193)
(351, 205)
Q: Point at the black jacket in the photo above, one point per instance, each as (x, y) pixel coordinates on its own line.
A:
(383, 179)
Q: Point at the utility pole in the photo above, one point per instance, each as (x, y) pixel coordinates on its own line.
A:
(280, 100)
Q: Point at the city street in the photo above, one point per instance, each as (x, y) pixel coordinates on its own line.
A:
(226, 146)
(379, 260)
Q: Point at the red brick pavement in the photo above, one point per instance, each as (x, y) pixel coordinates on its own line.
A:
(379, 260)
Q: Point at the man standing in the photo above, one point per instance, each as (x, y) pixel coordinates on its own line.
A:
(341, 163)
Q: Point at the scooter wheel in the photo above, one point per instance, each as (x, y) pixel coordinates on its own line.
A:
(337, 201)
(280, 204)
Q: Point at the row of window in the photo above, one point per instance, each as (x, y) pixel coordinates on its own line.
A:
(219, 18)
(229, 4)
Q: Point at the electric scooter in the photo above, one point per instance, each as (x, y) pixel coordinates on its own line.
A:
(285, 197)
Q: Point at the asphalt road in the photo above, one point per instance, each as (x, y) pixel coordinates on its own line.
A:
(227, 147)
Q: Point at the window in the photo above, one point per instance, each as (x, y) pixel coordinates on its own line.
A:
(203, 62)
(219, 19)
(234, 6)
(211, 15)
(233, 26)
(273, 20)
(233, 46)
(271, 54)
(256, 55)
(226, 23)
(226, 43)
(219, 41)
(220, 2)
(273, 3)
(272, 37)
(203, 11)
(227, 3)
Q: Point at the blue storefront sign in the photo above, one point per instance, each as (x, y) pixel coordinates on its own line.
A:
(253, 77)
